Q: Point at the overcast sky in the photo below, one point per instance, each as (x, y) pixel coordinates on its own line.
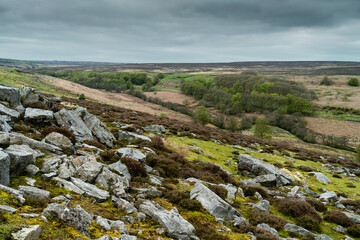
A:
(140, 31)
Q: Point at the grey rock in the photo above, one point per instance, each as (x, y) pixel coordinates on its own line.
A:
(4, 168)
(29, 215)
(76, 217)
(60, 198)
(98, 129)
(13, 114)
(293, 191)
(89, 171)
(48, 176)
(131, 153)
(17, 138)
(240, 192)
(70, 120)
(240, 222)
(155, 180)
(257, 167)
(262, 205)
(31, 169)
(129, 136)
(176, 226)
(29, 233)
(250, 182)
(268, 180)
(215, 205)
(19, 160)
(8, 209)
(159, 129)
(268, 228)
(91, 190)
(52, 164)
(118, 226)
(322, 237)
(153, 192)
(38, 115)
(109, 180)
(141, 216)
(257, 195)
(59, 140)
(26, 148)
(13, 192)
(30, 181)
(196, 149)
(354, 217)
(69, 186)
(321, 177)
(66, 170)
(28, 94)
(127, 237)
(231, 192)
(33, 192)
(10, 95)
(348, 238)
(4, 125)
(123, 205)
(297, 229)
(128, 219)
(339, 229)
(103, 222)
(329, 196)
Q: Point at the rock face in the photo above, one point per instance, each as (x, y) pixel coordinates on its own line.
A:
(176, 226)
(38, 115)
(59, 140)
(131, 153)
(19, 160)
(215, 205)
(76, 217)
(4, 168)
(257, 167)
(98, 129)
(28, 233)
(10, 95)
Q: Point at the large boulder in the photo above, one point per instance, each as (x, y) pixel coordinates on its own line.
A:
(13, 114)
(19, 160)
(17, 138)
(38, 115)
(28, 94)
(176, 226)
(4, 168)
(91, 190)
(214, 204)
(76, 217)
(159, 129)
(59, 140)
(10, 95)
(25, 148)
(321, 177)
(70, 120)
(258, 168)
(33, 192)
(98, 129)
(131, 153)
(121, 168)
(89, 171)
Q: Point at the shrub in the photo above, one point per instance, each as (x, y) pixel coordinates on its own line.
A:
(354, 82)
(326, 81)
(60, 130)
(163, 115)
(256, 217)
(354, 230)
(176, 196)
(338, 218)
(191, 205)
(318, 205)
(157, 143)
(278, 165)
(249, 191)
(202, 115)
(247, 122)
(109, 156)
(354, 203)
(94, 143)
(218, 190)
(309, 223)
(136, 169)
(262, 128)
(35, 104)
(3, 217)
(82, 97)
(297, 208)
(204, 228)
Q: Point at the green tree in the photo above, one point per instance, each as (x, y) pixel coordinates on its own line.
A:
(82, 97)
(202, 115)
(262, 128)
(354, 82)
(326, 81)
(232, 124)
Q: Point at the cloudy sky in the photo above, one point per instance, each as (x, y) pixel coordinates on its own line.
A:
(180, 30)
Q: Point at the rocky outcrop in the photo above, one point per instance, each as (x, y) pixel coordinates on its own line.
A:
(19, 160)
(159, 129)
(110, 181)
(175, 225)
(59, 140)
(76, 217)
(13, 114)
(89, 171)
(28, 233)
(16, 138)
(38, 115)
(10, 95)
(215, 205)
(91, 190)
(25, 148)
(4, 168)
(131, 153)
(258, 168)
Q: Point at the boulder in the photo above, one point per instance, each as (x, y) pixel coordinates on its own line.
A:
(91, 190)
(131, 153)
(69, 186)
(159, 129)
(10, 95)
(13, 192)
(4, 126)
(110, 181)
(354, 217)
(123, 205)
(4, 168)
(268, 180)
(28, 94)
(257, 167)
(129, 136)
(8, 209)
(19, 160)
(68, 119)
(51, 164)
(262, 205)
(266, 227)
(297, 229)
(329, 196)
(16, 138)
(26, 148)
(215, 205)
(59, 140)
(13, 114)
(28, 233)
(144, 192)
(176, 226)
(121, 168)
(321, 177)
(38, 115)
(98, 129)
(89, 171)
(31, 169)
(240, 222)
(66, 170)
(322, 237)
(231, 192)
(76, 217)
(33, 192)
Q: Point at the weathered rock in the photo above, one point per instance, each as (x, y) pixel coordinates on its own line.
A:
(127, 237)
(215, 205)
(322, 237)
(129, 136)
(13, 192)
(293, 192)
(118, 226)
(231, 192)
(7, 209)
(52, 164)
(103, 222)
(196, 149)
(144, 192)
(262, 205)
(69, 186)
(13, 114)
(16, 138)
(66, 170)
(121, 168)
(30, 181)
(321, 177)
(76, 217)
(155, 180)
(10, 95)
(176, 226)
(89, 171)
(329, 196)
(48, 176)
(109, 180)
(28, 94)
(38, 115)
(98, 129)
(297, 229)
(257, 167)
(4, 168)
(28, 233)
(26, 148)
(268, 228)
(59, 140)
(33, 192)
(354, 217)
(123, 205)
(250, 182)
(159, 129)
(91, 190)
(131, 153)
(268, 180)
(70, 120)
(4, 126)
(19, 160)
(240, 222)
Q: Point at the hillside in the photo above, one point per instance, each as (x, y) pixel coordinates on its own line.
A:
(79, 169)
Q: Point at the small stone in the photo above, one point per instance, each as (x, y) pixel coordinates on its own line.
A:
(31, 169)
(7, 209)
(30, 181)
(262, 205)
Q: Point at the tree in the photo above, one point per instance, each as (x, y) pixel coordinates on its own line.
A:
(354, 82)
(82, 97)
(202, 115)
(232, 124)
(262, 128)
(326, 81)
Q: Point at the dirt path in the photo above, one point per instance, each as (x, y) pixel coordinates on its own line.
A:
(116, 99)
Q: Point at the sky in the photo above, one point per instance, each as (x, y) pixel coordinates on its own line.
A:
(152, 31)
